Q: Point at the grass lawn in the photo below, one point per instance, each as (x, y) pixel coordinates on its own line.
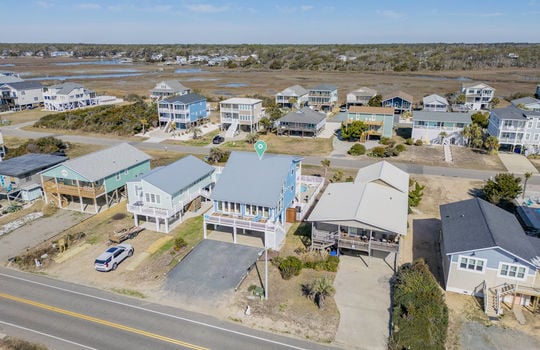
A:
(286, 145)
(25, 116)
(84, 133)
(190, 231)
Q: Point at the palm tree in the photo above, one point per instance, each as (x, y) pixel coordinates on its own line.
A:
(528, 175)
(172, 129)
(319, 290)
(196, 131)
(326, 164)
(144, 124)
(467, 134)
(492, 144)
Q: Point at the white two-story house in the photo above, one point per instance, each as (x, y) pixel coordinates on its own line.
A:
(21, 95)
(67, 96)
(478, 96)
(323, 97)
(240, 114)
(360, 97)
(516, 129)
(168, 88)
(292, 97)
(435, 103)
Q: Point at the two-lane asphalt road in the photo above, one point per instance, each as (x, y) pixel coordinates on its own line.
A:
(68, 316)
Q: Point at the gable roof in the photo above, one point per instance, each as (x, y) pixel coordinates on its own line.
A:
(324, 87)
(403, 95)
(304, 115)
(526, 101)
(364, 91)
(9, 79)
(372, 204)
(513, 112)
(174, 85)
(24, 85)
(246, 179)
(476, 85)
(476, 224)
(371, 110)
(242, 100)
(28, 164)
(295, 90)
(456, 117)
(66, 88)
(434, 98)
(178, 175)
(98, 165)
(185, 99)
(385, 172)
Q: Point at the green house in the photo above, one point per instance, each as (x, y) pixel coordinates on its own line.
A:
(96, 180)
(379, 120)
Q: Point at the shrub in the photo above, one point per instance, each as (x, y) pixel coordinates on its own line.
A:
(329, 264)
(318, 290)
(400, 148)
(289, 267)
(419, 312)
(179, 243)
(377, 152)
(409, 141)
(332, 263)
(418, 142)
(387, 141)
(357, 150)
(391, 152)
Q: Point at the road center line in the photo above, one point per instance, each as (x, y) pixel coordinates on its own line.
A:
(47, 335)
(101, 321)
(158, 313)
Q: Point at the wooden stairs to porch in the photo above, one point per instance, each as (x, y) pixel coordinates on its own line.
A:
(323, 241)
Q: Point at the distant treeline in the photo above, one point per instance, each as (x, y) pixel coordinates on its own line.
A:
(380, 57)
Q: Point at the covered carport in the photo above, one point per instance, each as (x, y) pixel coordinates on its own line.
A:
(211, 269)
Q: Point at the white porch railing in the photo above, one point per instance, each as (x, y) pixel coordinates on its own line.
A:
(305, 180)
(213, 217)
(141, 209)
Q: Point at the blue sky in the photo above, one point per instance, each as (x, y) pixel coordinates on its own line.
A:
(270, 22)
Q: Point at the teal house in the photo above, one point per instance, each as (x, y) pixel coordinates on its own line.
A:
(96, 180)
(379, 120)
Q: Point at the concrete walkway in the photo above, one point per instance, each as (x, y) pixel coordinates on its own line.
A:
(363, 299)
(517, 163)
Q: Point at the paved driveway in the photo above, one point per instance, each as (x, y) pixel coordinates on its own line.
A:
(211, 269)
(517, 163)
(363, 299)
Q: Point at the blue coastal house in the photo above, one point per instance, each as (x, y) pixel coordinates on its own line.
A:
(485, 252)
(253, 194)
(182, 110)
(400, 101)
(164, 194)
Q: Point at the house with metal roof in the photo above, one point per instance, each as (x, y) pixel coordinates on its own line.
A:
(379, 120)
(485, 252)
(517, 130)
(478, 96)
(400, 101)
(164, 194)
(183, 111)
(252, 196)
(20, 178)
(68, 96)
(168, 88)
(360, 97)
(292, 97)
(20, 95)
(440, 127)
(323, 97)
(435, 103)
(367, 215)
(527, 103)
(240, 114)
(96, 180)
(303, 122)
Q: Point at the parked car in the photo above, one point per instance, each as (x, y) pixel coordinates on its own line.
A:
(109, 259)
(218, 139)
(343, 109)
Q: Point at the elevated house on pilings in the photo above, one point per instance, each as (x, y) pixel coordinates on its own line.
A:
(94, 181)
(367, 215)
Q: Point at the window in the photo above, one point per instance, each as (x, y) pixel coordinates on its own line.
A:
(118, 176)
(536, 137)
(473, 264)
(530, 124)
(126, 172)
(512, 271)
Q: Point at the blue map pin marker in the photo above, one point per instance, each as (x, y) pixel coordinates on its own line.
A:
(260, 148)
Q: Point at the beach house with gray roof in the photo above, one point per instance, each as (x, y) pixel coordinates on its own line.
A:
(517, 130)
(323, 97)
(440, 127)
(435, 103)
(292, 97)
(184, 111)
(168, 88)
(252, 195)
(303, 122)
(360, 97)
(20, 95)
(527, 103)
(164, 194)
(366, 215)
(68, 96)
(96, 180)
(485, 252)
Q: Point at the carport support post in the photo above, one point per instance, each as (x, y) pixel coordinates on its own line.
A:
(265, 273)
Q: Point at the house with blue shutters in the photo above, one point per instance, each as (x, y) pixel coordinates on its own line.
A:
(164, 194)
(182, 110)
(486, 253)
(400, 101)
(94, 181)
(252, 195)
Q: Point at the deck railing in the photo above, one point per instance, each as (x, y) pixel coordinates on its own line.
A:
(82, 191)
(141, 209)
(244, 222)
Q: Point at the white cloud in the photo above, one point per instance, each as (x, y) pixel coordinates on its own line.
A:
(286, 9)
(206, 8)
(44, 4)
(391, 14)
(306, 7)
(89, 6)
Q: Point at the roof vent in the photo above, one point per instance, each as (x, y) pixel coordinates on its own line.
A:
(462, 215)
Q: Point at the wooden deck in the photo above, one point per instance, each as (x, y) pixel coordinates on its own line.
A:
(327, 239)
(76, 191)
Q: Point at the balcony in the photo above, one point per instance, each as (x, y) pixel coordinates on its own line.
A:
(141, 208)
(77, 191)
(245, 222)
(361, 243)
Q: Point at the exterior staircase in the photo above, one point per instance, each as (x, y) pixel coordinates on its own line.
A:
(447, 153)
(321, 241)
(167, 126)
(231, 131)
